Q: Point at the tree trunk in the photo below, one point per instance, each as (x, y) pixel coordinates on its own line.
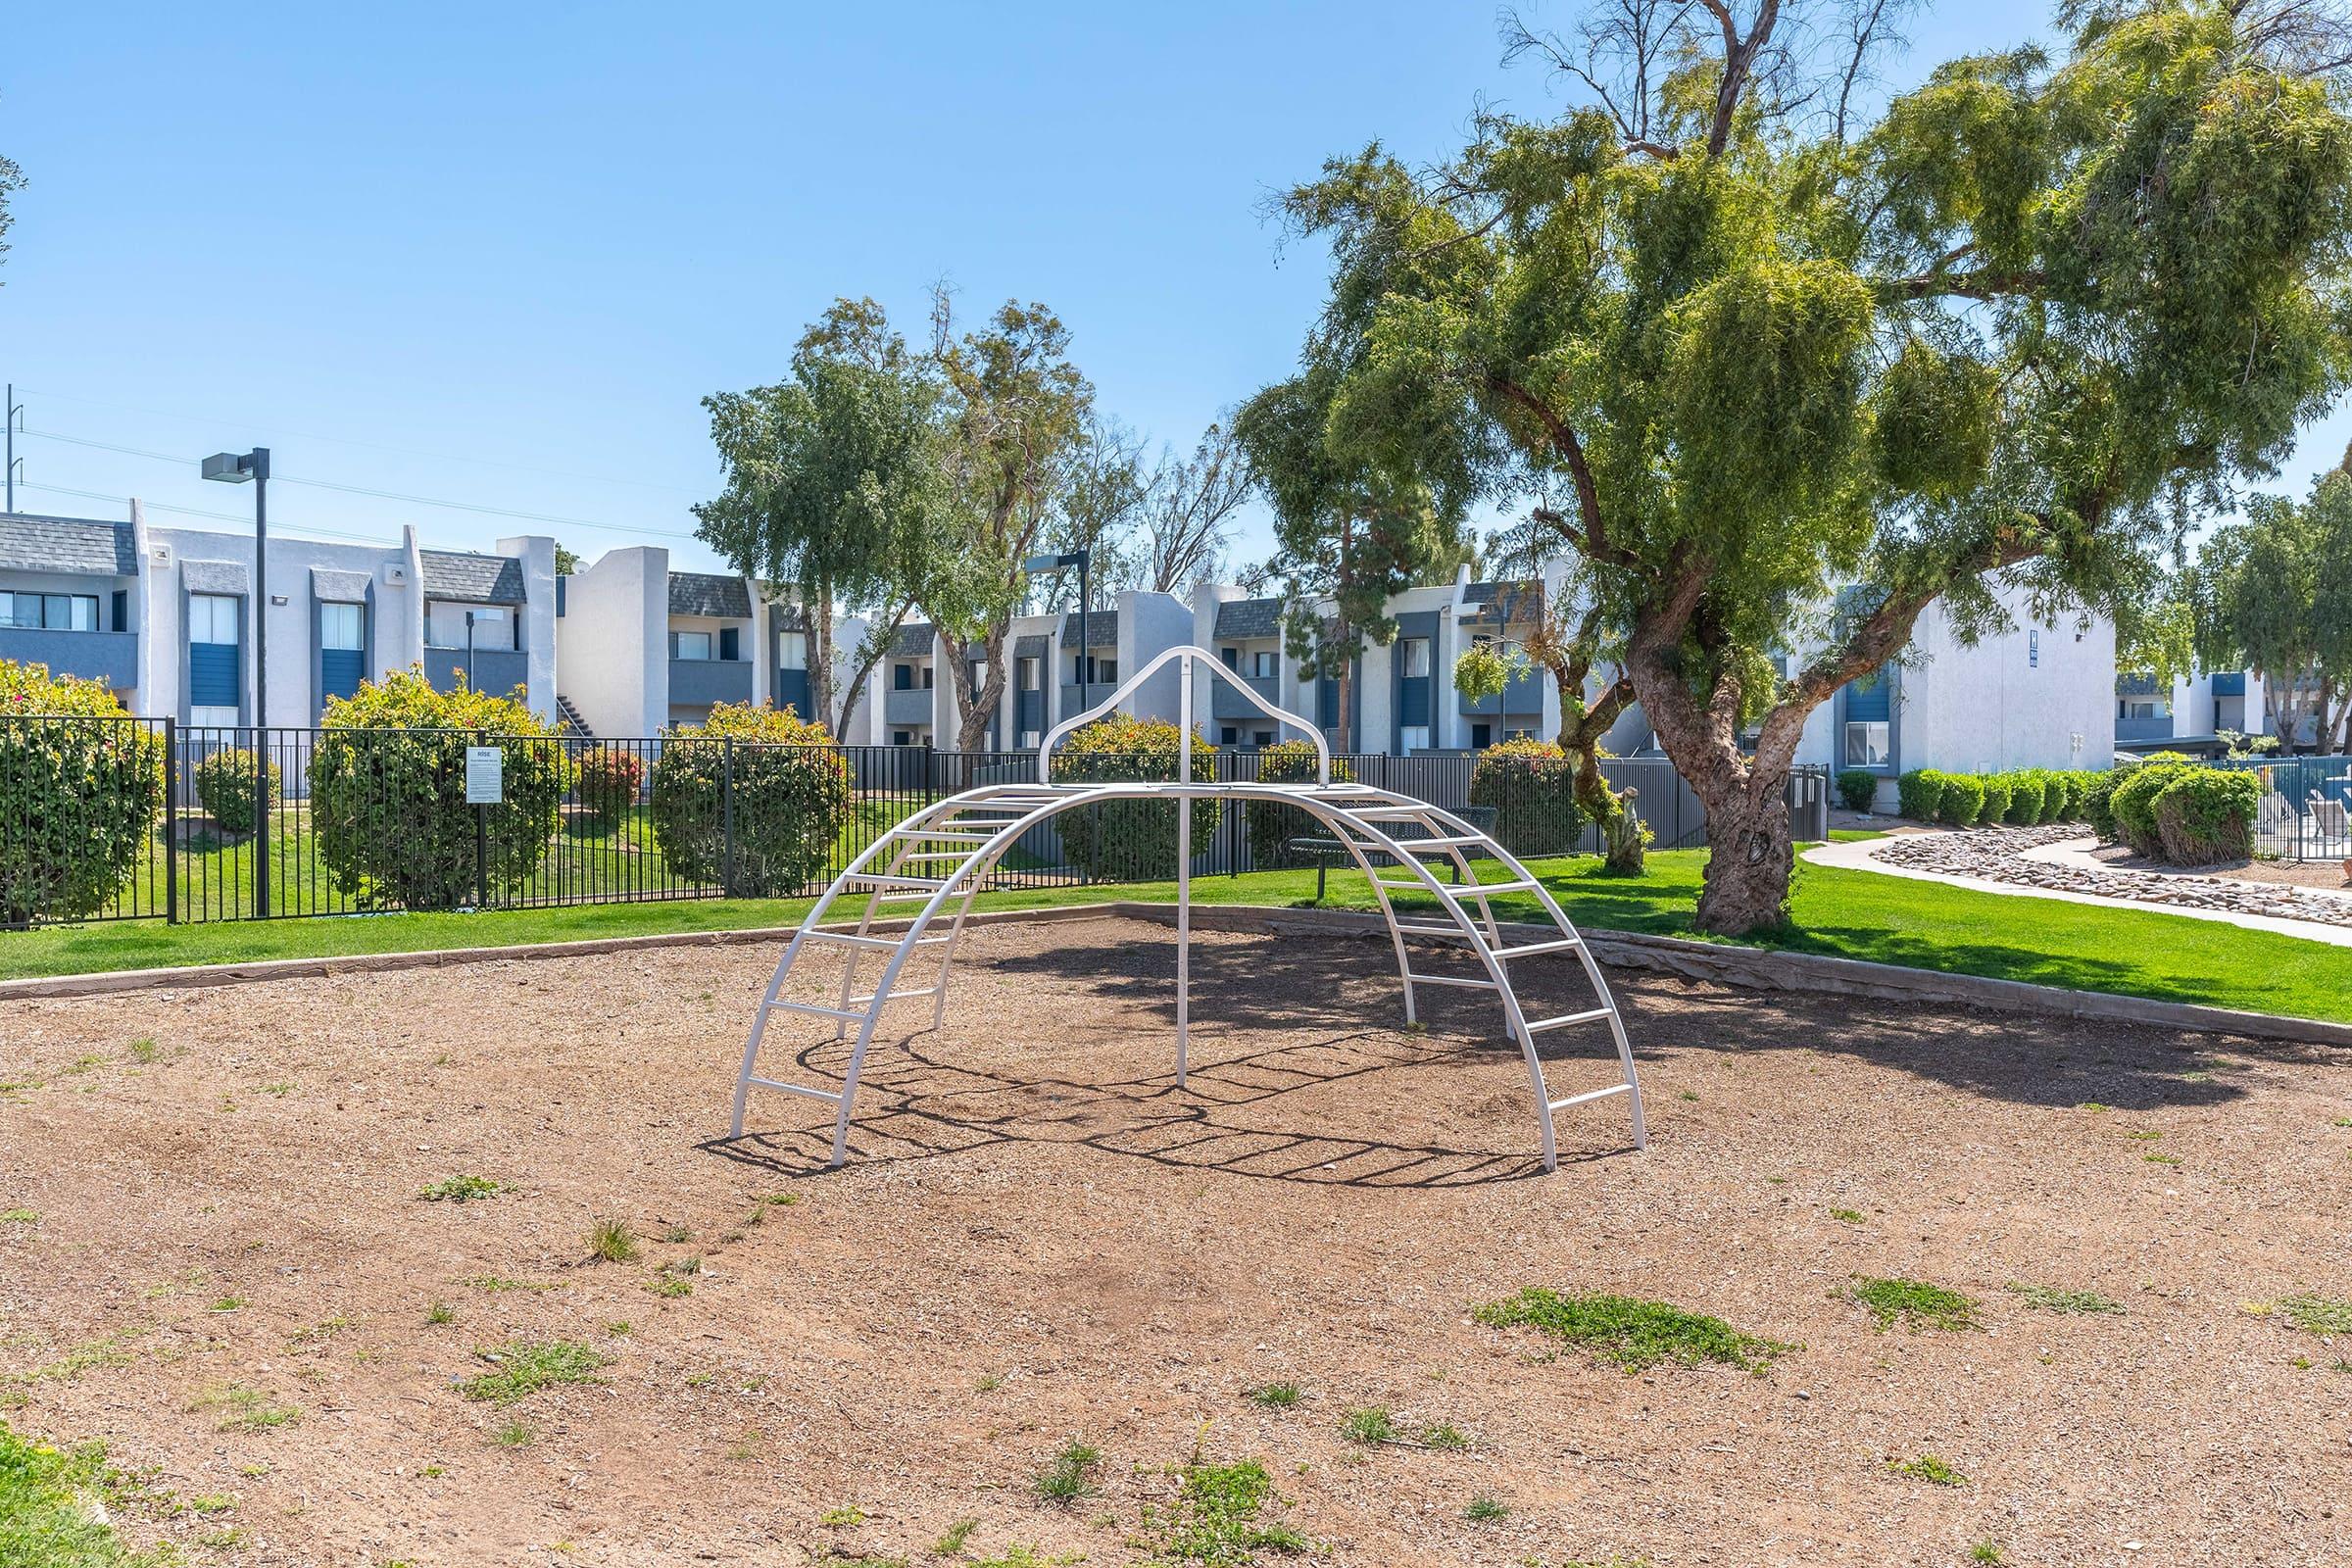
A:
(978, 705)
(819, 619)
(1751, 856)
(1346, 681)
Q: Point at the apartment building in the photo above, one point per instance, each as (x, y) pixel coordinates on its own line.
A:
(641, 648)
(166, 617)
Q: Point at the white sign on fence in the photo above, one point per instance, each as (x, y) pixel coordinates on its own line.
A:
(485, 775)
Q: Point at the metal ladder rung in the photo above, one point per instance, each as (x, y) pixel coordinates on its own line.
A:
(828, 1096)
(895, 996)
(820, 1011)
(1453, 931)
(936, 854)
(1451, 980)
(1589, 1094)
(1528, 950)
(1476, 890)
(883, 879)
(1537, 1025)
(940, 834)
(852, 940)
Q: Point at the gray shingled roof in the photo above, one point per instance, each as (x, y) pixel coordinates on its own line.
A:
(1033, 645)
(1250, 617)
(2135, 685)
(913, 641)
(1507, 603)
(478, 580)
(708, 592)
(1102, 629)
(29, 542)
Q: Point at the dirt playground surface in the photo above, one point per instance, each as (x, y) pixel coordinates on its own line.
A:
(214, 1257)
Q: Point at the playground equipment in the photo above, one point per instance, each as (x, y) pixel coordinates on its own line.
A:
(939, 859)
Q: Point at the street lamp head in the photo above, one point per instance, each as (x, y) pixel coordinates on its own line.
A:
(238, 468)
(1035, 564)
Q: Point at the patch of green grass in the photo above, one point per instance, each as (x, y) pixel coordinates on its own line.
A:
(1218, 1517)
(1368, 1424)
(610, 1241)
(1851, 1216)
(111, 1349)
(1066, 1477)
(145, 1052)
(513, 1435)
(2052, 1300)
(2155, 1158)
(230, 1303)
(51, 1513)
(2318, 1314)
(239, 1408)
(525, 1366)
(670, 1285)
(848, 1514)
(20, 1216)
(1914, 1303)
(497, 1283)
(2143, 1133)
(1984, 1552)
(1634, 1335)
(210, 1503)
(1926, 1467)
(440, 1312)
(1275, 1395)
(460, 1190)
(1444, 1437)
(951, 1543)
(676, 1234)
(1485, 1510)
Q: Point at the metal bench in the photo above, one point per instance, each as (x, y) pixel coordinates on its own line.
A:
(1326, 851)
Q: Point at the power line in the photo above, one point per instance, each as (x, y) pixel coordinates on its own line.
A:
(381, 495)
(372, 446)
(199, 512)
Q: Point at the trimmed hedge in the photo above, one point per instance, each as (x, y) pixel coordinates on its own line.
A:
(791, 796)
(2022, 798)
(2207, 814)
(1131, 841)
(2028, 791)
(1997, 799)
(1919, 794)
(2134, 804)
(80, 789)
(610, 779)
(1272, 826)
(1531, 785)
(226, 788)
(1857, 789)
(1962, 799)
(388, 793)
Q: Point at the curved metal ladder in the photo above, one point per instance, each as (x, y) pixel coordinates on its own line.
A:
(944, 855)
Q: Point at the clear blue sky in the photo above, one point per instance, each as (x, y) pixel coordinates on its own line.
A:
(496, 253)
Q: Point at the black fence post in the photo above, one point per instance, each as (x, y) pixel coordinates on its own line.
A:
(727, 814)
(482, 848)
(171, 821)
(261, 823)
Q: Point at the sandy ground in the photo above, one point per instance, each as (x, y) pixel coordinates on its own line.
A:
(1044, 1240)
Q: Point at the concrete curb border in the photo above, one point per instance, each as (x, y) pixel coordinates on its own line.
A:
(1751, 968)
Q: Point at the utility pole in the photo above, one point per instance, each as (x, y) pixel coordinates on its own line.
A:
(16, 410)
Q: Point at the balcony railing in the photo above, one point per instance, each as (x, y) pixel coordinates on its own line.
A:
(109, 656)
(496, 670)
(699, 682)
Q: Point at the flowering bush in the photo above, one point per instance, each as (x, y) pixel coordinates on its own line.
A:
(1532, 787)
(790, 794)
(80, 787)
(226, 784)
(1130, 841)
(610, 779)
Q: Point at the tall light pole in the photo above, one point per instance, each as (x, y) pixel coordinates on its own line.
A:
(1081, 558)
(15, 409)
(230, 467)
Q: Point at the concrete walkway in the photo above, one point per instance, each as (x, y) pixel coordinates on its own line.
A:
(1863, 856)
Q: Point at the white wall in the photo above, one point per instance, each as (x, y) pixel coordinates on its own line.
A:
(537, 639)
(612, 653)
(1150, 625)
(2006, 703)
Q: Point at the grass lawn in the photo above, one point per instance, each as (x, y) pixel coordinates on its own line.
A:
(1845, 913)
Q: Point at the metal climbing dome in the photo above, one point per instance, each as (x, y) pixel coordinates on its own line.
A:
(939, 859)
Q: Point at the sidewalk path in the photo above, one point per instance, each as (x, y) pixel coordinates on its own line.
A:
(2005, 860)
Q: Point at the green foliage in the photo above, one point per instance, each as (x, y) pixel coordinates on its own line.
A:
(1271, 826)
(460, 1190)
(52, 1507)
(1914, 1303)
(2133, 803)
(1483, 671)
(389, 792)
(1130, 841)
(1857, 789)
(2029, 793)
(1962, 802)
(1997, 787)
(2272, 592)
(1217, 1519)
(2205, 814)
(524, 1367)
(1630, 1334)
(1275, 1395)
(1066, 1478)
(2052, 1300)
(1368, 1425)
(1918, 795)
(610, 779)
(1531, 785)
(790, 794)
(1929, 1468)
(2318, 1314)
(80, 789)
(227, 782)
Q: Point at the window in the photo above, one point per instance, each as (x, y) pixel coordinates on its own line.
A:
(792, 649)
(730, 644)
(1416, 657)
(1026, 668)
(1263, 663)
(1228, 734)
(1110, 675)
(1261, 737)
(1413, 738)
(2033, 649)
(1482, 736)
(213, 619)
(1028, 737)
(1093, 671)
(926, 677)
(2142, 710)
(1866, 743)
(1232, 657)
(55, 611)
(691, 645)
(901, 679)
(445, 626)
(342, 649)
(216, 674)
(901, 737)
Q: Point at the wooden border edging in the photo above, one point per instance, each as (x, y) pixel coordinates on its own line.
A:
(1753, 968)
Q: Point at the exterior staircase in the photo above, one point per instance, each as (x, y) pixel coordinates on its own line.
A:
(570, 718)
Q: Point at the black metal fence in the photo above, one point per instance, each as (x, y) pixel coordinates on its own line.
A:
(134, 819)
(2305, 812)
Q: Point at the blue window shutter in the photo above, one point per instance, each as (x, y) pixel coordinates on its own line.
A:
(212, 674)
(342, 669)
(1869, 700)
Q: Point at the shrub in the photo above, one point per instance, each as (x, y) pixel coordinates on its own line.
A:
(2029, 791)
(2205, 814)
(1271, 826)
(1997, 799)
(1532, 787)
(610, 779)
(1857, 789)
(2098, 801)
(1963, 800)
(226, 788)
(2134, 804)
(1130, 841)
(388, 793)
(78, 795)
(791, 793)
(1919, 794)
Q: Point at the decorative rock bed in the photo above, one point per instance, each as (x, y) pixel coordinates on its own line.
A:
(1999, 854)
